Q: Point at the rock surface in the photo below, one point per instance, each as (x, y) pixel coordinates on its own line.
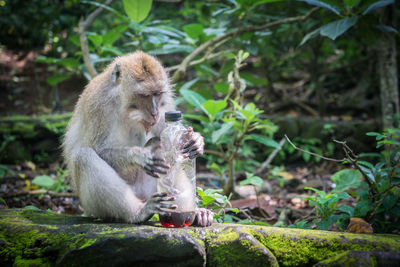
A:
(40, 238)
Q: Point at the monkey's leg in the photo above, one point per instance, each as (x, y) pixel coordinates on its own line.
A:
(104, 194)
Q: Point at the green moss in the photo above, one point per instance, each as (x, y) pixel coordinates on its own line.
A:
(230, 248)
(19, 262)
(87, 242)
(293, 247)
(228, 236)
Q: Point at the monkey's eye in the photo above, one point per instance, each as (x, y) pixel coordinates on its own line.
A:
(158, 93)
(133, 106)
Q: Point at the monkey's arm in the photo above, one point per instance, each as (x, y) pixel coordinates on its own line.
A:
(126, 157)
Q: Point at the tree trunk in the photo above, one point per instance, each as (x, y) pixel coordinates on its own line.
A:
(387, 65)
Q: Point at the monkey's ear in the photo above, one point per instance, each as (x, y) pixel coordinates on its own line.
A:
(116, 74)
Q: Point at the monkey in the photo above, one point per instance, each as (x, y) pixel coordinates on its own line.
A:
(109, 146)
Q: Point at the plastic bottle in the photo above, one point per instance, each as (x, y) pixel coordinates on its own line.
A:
(180, 181)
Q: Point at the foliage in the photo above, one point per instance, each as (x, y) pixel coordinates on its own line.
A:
(231, 129)
(374, 184)
(326, 205)
(213, 199)
(351, 12)
(49, 183)
(32, 24)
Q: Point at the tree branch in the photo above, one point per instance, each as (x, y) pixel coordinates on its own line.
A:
(312, 153)
(214, 56)
(215, 153)
(265, 164)
(83, 25)
(181, 69)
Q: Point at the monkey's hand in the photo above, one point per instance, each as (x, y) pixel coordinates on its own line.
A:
(156, 204)
(203, 217)
(151, 162)
(192, 144)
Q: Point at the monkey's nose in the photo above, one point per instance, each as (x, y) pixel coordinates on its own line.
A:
(154, 114)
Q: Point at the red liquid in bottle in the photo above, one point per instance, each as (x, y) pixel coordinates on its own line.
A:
(177, 219)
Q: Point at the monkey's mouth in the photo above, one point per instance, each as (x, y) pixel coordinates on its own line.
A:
(148, 124)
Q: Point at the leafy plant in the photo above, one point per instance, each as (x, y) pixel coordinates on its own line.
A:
(231, 128)
(48, 183)
(375, 184)
(326, 205)
(350, 12)
(212, 198)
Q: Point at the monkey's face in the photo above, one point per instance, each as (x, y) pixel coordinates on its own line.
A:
(142, 86)
(145, 107)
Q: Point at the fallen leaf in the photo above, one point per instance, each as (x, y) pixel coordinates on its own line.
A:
(359, 226)
(252, 205)
(286, 175)
(31, 165)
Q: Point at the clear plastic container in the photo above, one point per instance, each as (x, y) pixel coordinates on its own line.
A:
(180, 180)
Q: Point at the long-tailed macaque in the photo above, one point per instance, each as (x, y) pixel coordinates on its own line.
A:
(114, 171)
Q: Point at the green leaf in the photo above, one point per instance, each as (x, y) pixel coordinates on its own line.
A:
(189, 84)
(362, 208)
(379, 136)
(319, 3)
(70, 63)
(365, 163)
(113, 35)
(137, 10)
(207, 200)
(95, 39)
(216, 135)
(229, 55)
(251, 179)
(322, 194)
(368, 173)
(347, 209)
(252, 79)
(386, 28)
(213, 107)
(310, 35)
(43, 59)
(265, 140)
(342, 195)
(221, 87)
(172, 48)
(56, 79)
(44, 181)
(193, 30)
(3, 201)
(197, 117)
(192, 97)
(200, 192)
(111, 49)
(346, 179)
(390, 201)
(376, 5)
(338, 27)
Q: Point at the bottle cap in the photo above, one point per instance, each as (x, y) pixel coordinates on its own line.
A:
(173, 116)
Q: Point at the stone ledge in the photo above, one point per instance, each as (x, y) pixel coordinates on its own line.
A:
(33, 238)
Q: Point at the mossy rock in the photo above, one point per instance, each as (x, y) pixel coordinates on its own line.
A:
(33, 238)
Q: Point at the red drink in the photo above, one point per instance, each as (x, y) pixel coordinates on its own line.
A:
(177, 219)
